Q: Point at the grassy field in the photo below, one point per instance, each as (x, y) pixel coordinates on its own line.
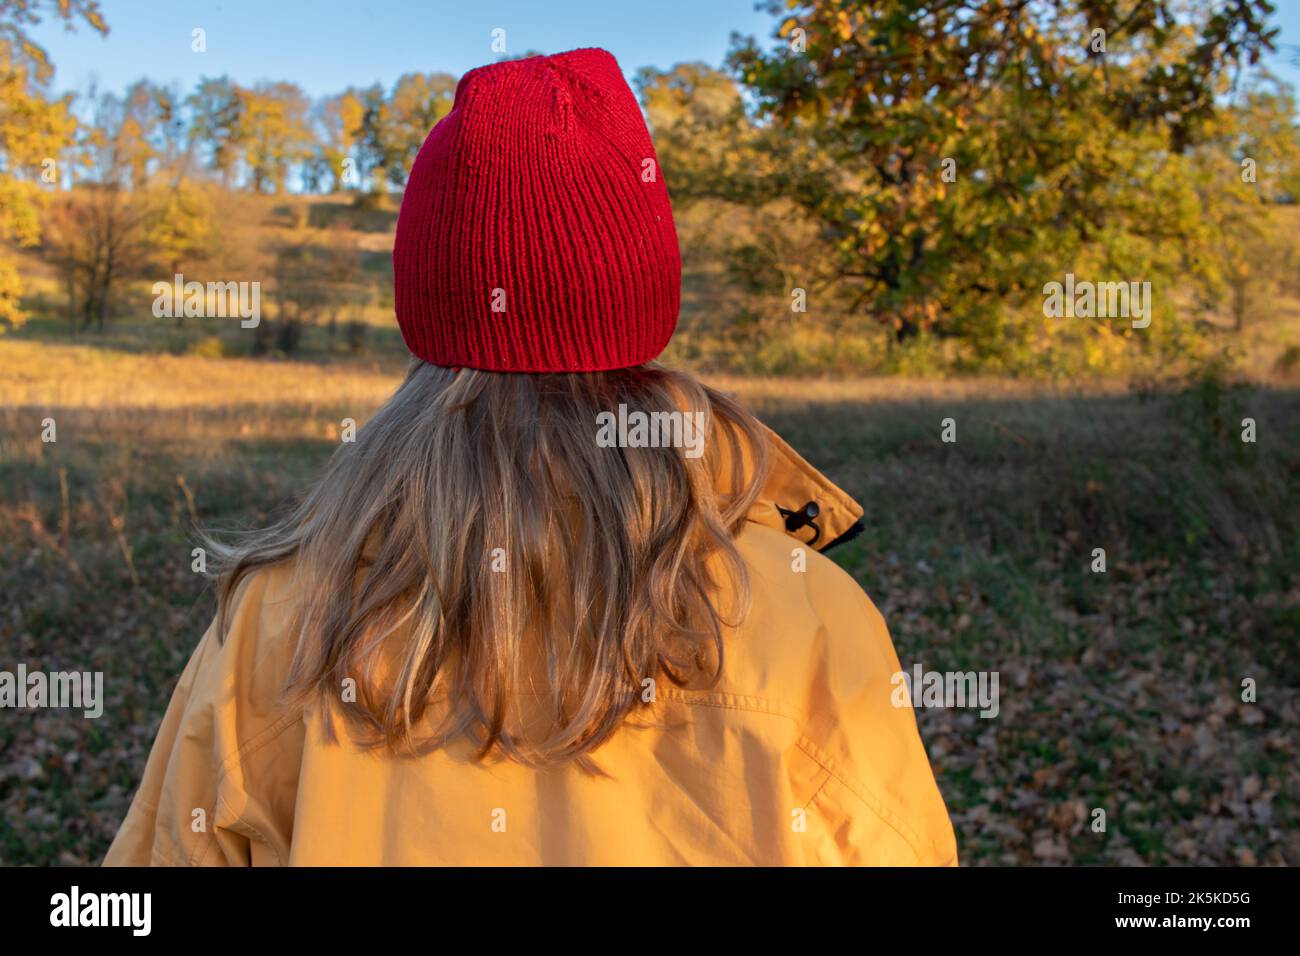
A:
(1120, 691)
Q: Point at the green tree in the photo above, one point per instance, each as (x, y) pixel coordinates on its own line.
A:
(958, 153)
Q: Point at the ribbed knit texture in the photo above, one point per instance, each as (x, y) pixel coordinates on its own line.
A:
(533, 185)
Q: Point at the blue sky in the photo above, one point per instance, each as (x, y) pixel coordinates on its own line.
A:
(327, 45)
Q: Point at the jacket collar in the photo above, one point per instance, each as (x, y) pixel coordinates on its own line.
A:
(798, 499)
(791, 487)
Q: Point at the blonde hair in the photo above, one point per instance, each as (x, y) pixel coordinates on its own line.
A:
(476, 527)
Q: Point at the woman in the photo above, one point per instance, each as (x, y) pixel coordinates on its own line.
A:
(557, 604)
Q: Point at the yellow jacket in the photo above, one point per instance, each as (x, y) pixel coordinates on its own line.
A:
(798, 755)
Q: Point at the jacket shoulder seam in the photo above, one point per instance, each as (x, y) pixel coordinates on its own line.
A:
(291, 714)
(259, 740)
(255, 743)
(726, 700)
(869, 799)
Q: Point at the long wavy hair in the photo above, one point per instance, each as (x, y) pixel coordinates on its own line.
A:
(477, 564)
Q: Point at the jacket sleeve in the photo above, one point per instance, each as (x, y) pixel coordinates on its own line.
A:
(221, 779)
(874, 800)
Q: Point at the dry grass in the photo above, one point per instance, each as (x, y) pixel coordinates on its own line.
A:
(77, 376)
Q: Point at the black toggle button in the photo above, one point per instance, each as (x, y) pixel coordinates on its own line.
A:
(803, 518)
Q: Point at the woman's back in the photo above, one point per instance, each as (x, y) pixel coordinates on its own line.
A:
(796, 756)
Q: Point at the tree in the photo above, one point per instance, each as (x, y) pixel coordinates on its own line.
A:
(34, 129)
(392, 128)
(99, 230)
(174, 145)
(96, 237)
(273, 132)
(703, 134)
(182, 229)
(338, 123)
(1240, 261)
(712, 151)
(371, 148)
(417, 103)
(217, 125)
(136, 130)
(957, 153)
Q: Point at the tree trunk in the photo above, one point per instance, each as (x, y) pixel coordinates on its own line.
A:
(69, 283)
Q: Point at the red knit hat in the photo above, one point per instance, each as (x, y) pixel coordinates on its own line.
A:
(536, 234)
